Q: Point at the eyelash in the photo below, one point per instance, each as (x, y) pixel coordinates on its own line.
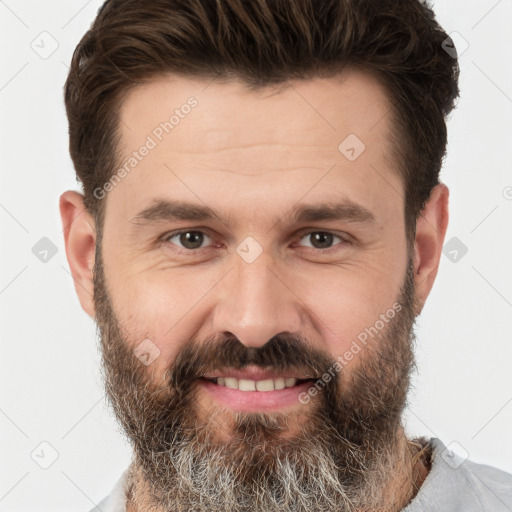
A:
(344, 240)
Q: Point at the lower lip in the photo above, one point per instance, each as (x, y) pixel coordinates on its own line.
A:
(255, 400)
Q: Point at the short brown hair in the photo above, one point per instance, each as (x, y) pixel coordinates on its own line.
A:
(264, 42)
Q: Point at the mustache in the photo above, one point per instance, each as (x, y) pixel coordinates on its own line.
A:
(283, 352)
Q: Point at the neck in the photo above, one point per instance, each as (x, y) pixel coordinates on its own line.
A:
(412, 467)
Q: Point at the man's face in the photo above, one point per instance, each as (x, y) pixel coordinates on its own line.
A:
(268, 283)
(255, 159)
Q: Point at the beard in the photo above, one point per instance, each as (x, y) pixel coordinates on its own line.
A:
(344, 455)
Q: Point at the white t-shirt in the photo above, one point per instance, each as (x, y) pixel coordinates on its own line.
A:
(452, 485)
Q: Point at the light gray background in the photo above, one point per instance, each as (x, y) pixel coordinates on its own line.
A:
(50, 385)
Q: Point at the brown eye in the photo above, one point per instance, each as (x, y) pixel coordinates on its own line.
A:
(189, 240)
(321, 239)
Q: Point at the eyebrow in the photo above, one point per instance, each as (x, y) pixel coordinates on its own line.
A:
(173, 210)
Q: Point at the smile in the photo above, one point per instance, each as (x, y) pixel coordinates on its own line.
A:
(255, 385)
(246, 395)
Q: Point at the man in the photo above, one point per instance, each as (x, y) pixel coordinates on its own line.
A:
(262, 222)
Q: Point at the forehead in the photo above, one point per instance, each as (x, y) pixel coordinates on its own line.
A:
(207, 138)
(300, 112)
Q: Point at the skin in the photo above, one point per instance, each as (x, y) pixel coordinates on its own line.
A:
(254, 156)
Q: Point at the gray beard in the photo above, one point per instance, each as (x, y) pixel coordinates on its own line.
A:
(299, 477)
(345, 457)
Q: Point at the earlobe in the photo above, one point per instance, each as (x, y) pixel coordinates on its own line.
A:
(80, 241)
(431, 229)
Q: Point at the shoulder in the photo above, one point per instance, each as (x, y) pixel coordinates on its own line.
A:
(489, 482)
(457, 484)
(116, 500)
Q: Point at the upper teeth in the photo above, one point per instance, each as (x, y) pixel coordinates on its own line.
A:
(256, 385)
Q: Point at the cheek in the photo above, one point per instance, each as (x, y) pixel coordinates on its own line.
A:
(161, 307)
(349, 304)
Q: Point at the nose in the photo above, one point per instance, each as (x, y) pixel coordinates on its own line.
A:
(255, 303)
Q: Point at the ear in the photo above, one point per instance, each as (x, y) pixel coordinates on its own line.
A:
(430, 232)
(80, 240)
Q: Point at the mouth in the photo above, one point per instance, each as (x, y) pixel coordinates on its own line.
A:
(252, 395)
